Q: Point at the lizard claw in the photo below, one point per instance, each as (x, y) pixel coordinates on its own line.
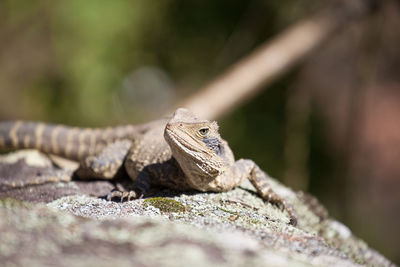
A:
(131, 195)
(293, 221)
(292, 214)
(123, 195)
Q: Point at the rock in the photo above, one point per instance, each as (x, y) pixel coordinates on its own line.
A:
(170, 228)
(31, 165)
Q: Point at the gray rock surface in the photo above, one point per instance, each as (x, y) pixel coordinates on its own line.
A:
(236, 228)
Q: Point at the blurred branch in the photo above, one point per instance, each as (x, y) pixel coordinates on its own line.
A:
(247, 77)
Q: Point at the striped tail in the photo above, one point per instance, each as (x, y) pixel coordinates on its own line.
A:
(69, 142)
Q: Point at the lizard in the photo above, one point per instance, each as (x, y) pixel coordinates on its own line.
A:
(183, 153)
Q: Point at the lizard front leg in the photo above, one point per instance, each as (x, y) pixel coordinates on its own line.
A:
(166, 174)
(139, 175)
(107, 164)
(141, 185)
(247, 168)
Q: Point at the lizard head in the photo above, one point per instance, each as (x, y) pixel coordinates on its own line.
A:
(197, 146)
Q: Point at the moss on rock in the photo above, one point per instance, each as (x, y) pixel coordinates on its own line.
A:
(165, 204)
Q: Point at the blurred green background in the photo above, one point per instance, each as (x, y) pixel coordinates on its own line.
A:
(330, 126)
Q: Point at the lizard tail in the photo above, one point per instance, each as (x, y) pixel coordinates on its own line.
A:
(69, 142)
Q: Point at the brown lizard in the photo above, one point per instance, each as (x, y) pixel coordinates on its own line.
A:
(191, 155)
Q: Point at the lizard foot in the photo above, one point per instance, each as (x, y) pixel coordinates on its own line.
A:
(293, 216)
(127, 195)
(284, 206)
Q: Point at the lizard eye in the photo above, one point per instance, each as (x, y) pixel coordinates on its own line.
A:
(204, 131)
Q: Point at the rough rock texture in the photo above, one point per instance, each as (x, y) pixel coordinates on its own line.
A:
(169, 228)
(27, 165)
